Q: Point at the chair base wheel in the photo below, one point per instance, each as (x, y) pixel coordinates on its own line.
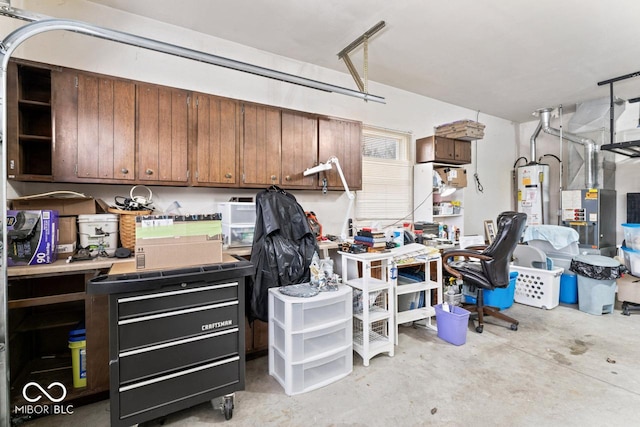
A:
(479, 329)
(514, 326)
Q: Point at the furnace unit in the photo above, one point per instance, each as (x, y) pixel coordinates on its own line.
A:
(592, 213)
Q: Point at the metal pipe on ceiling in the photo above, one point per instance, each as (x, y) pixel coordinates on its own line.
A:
(18, 36)
(590, 148)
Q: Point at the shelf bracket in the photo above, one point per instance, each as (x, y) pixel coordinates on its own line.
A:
(627, 148)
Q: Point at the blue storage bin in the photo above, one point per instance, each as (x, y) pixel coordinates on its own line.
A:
(501, 298)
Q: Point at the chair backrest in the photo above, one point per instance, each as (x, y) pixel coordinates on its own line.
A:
(510, 228)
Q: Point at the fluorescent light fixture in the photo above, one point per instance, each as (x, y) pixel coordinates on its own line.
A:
(325, 167)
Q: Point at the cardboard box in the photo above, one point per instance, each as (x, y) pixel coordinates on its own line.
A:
(177, 252)
(176, 241)
(32, 237)
(67, 236)
(454, 177)
(467, 130)
(157, 226)
(66, 206)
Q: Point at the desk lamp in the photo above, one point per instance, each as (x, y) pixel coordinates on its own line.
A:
(325, 167)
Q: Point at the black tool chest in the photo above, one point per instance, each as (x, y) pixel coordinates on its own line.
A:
(176, 339)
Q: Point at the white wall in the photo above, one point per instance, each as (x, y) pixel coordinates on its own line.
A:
(403, 110)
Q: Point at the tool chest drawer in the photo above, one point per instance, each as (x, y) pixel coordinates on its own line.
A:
(145, 395)
(155, 329)
(141, 364)
(158, 302)
(176, 339)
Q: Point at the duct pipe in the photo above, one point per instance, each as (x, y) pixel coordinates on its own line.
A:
(533, 142)
(589, 146)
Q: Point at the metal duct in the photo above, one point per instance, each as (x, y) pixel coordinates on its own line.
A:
(533, 142)
(589, 146)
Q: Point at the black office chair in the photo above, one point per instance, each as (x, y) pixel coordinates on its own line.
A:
(487, 267)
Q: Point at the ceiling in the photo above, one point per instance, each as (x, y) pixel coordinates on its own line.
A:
(502, 58)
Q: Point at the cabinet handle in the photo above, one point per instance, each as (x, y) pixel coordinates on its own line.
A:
(124, 170)
(149, 172)
(273, 177)
(227, 175)
(288, 178)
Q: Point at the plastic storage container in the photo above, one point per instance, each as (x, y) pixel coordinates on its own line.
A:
(632, 260)
(452, 325)
(78, 346)
(537, 287)
(632, 236)
(502, 298)
(99, 233)
(310, 339)
(569, 288)
(238, 223)
(596, 283)
(238, 213)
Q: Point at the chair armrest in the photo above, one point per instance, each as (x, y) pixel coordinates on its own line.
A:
(466, 253)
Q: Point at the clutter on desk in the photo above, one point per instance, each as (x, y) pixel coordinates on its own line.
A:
(322, 275)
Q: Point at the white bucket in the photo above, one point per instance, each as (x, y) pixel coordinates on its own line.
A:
(99, 233)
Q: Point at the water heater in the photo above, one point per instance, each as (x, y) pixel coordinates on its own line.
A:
(533, 192)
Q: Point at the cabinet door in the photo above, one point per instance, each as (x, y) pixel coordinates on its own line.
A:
(94, 120)
(260, 152)
(462, 151)
(162, 135)
(444, 149)
(216, 138)
(342, 139)
(299, 149)
(106, 128)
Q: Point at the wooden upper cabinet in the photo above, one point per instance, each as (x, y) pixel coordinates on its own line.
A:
(106, 128)
(94, 120)
(260, 148)
(299, 149)
(462, 151)
(29, 122)
(444, 150)
(341, 139)
(217, 133)
(162, 135)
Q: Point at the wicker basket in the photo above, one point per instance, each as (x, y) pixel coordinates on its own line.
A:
(128, 226)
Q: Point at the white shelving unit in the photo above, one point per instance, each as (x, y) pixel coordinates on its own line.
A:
(373, 302)
(416, 255)
(310, 339)
(423, 197)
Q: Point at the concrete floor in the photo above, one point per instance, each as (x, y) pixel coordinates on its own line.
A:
(562, 367)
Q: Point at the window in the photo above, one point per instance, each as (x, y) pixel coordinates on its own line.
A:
(387, 191)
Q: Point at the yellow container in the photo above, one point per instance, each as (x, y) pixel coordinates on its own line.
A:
(78, 346)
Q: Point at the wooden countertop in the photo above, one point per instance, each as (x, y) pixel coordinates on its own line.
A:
(102, 263)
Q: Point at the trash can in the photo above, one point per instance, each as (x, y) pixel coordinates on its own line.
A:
(597, 276)
(78, 346)
(452, 325)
